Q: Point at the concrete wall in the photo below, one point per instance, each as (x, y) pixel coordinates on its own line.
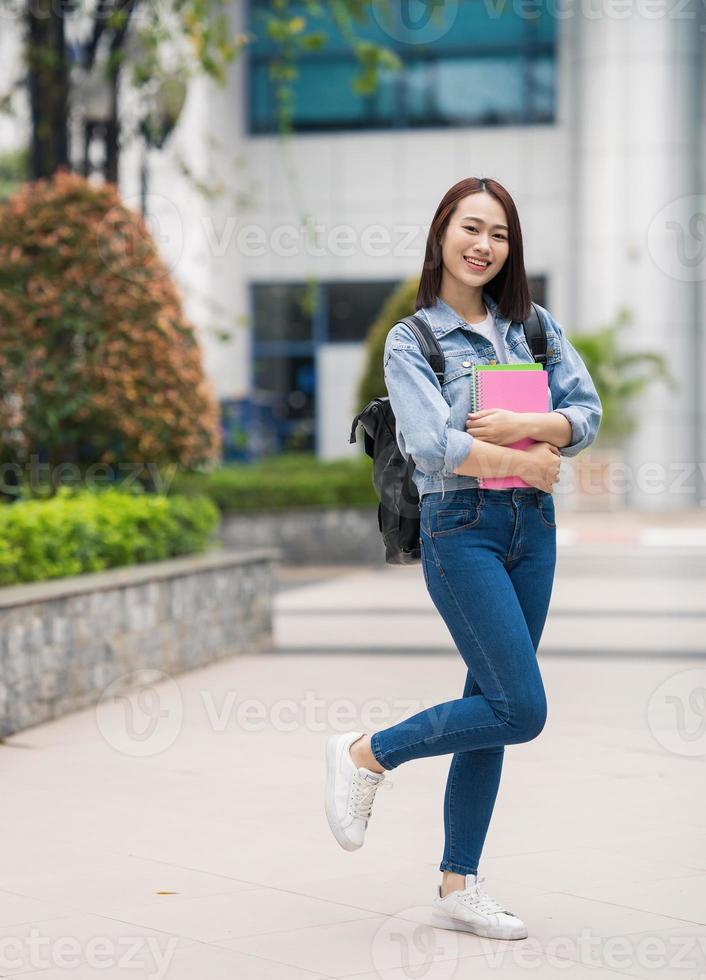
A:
(309, 536)
(63, 641)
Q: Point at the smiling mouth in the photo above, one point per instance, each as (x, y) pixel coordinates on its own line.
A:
(476, 263)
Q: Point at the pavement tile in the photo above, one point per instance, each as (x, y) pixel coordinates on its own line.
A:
(597, 833)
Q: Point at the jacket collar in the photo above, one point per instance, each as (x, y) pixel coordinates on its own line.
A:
(443, 319)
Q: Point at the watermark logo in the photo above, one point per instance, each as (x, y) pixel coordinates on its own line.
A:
(676, 238)
(140, 713)
(414, 949)
(676, 713)
(415, 21)
(126, 245)
(144, 956)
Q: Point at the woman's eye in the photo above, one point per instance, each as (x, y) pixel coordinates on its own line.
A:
(502, 238)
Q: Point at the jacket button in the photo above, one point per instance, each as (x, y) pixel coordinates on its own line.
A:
(492, 361)
(466, 364)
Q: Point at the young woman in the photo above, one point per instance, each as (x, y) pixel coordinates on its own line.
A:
(488, 555)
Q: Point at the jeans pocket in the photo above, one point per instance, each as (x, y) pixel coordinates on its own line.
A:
(446, 521)
(545, 505)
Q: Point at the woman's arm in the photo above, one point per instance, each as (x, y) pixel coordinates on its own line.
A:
(548, 427)
(574, 398)
(422, 418)
(486, 460)
(573, 422)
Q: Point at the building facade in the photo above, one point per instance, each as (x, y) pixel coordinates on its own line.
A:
(589, 111)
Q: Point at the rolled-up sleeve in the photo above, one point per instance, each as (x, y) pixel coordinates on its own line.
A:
(422, 414)
(574, 394)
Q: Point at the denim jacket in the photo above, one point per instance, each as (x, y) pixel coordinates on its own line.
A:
(431, 418)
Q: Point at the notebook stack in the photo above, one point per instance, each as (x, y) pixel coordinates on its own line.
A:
(517, 388)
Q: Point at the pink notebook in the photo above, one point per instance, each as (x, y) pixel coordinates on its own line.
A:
(517, 391)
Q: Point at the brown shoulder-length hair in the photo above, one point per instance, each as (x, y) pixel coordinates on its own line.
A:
(509, 288)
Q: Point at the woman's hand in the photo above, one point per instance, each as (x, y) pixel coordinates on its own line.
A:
(497, 425)
(541, 465)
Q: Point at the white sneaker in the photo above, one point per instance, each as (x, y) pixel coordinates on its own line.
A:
(350, 791)
(472, 910)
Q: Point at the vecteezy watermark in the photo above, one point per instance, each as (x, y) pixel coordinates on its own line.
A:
(676, 712)
(140, 713)
(316, 714)
(406, 943)
(414, 949)
(126, 245)
(676, 238)
(617, 478)
(315, 239)
(415, 21)
(35, 951)
(644, 952)
(35, 475)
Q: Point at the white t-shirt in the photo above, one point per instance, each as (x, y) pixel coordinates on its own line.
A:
(488, 329)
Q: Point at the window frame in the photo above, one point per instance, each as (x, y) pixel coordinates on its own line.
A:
(529, 51)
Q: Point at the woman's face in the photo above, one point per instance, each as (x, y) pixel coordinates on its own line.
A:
(477, 230)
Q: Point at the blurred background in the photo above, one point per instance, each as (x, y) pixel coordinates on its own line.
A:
(211, 214)
(288, 157)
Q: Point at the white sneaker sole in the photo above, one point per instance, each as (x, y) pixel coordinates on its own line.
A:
(443, 921)
(333, 822)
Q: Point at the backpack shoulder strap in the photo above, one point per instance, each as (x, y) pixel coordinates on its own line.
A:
(434, 354)
(536, 336)
(428, 342)
(430, 348)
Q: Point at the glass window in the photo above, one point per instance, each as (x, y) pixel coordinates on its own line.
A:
(470, 63)
(454, 91)
(540, 88)
(281, 312)
(353, 308)
(289, 321)
(290, 381)
(262, 118)
(335, 100)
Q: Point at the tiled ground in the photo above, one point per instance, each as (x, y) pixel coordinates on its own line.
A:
(183, 836)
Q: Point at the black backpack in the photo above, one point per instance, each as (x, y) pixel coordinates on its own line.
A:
(398, 509)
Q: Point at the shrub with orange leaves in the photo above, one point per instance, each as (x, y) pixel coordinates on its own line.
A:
(95, 350)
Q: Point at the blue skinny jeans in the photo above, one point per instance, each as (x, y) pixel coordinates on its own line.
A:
(488, 558)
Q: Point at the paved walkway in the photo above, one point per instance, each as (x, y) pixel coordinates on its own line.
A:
(182, 834)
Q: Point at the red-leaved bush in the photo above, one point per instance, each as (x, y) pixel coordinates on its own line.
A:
(95, 352)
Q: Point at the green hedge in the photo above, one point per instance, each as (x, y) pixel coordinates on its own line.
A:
(85, 531)
(284, 482)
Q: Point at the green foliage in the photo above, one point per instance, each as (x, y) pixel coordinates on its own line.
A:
(87, 531)
(95, 351)
(14, 169)
(283, 483)
(399, 304)
(615, 376)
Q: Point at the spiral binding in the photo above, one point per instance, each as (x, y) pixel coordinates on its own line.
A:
(476, 394)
